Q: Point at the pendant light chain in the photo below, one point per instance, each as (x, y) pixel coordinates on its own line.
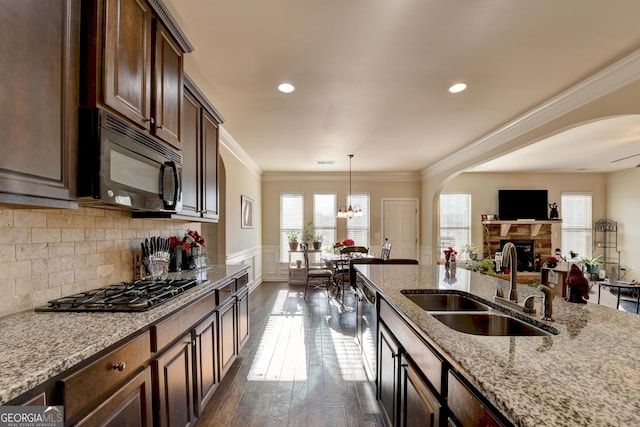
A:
(349, 212)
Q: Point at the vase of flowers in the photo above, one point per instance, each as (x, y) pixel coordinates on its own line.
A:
(449, 256)
(552, 262)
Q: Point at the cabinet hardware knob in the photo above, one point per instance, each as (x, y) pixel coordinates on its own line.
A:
(120, 366)
(148, 119)
(160, 127)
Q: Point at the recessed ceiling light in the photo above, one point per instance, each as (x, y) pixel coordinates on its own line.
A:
(458, 87)
(325, 162)
(286, 87)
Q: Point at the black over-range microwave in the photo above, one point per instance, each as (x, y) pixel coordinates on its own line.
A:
(121, 167)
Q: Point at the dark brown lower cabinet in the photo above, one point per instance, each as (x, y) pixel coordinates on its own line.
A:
(388, 371)
(130, 406)
(206, 360)
(418, 386)
(162, 376)
(243, 317)
(174, 385)
(467, 409)
(418, 405)
(228, 335)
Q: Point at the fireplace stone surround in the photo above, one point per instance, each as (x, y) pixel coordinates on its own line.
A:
(534, 233)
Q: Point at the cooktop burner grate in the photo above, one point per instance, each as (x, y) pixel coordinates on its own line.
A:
(139, 295)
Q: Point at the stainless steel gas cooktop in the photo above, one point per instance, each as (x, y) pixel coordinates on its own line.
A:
(139, 295)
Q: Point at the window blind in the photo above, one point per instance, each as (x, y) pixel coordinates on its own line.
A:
(291, 219)
(455, 221)
(358, 227)
(575, 211)
(324, 217)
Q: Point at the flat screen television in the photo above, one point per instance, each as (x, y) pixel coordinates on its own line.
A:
(522, 204)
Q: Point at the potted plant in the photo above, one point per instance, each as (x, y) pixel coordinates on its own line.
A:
(471, 250)
(590, 265)
(317, 241)
(292, 236)
(307, 232)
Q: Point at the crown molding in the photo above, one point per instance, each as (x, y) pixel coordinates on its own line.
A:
(238, 152)
(608, 80)
(342, 176)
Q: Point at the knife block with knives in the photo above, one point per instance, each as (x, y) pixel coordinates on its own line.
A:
(155, 256)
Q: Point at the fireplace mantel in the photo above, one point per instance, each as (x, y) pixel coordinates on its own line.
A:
(535, 225)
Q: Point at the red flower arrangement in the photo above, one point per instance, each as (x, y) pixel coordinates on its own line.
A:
(552, 261)
(347, 242)
(449, 251)
(174, 241)
(194, 237)
(449, 255)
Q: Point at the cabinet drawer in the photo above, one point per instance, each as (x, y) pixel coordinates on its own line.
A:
(466, 408)
(225, 292)
(424, 357)
(242, 281)
(83, 388)
(167, 330)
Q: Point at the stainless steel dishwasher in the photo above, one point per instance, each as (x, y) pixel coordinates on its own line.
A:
(367, 326)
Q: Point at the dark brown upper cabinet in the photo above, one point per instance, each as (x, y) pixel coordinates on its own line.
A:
(132, 59)
(200, 135)
(39, 57)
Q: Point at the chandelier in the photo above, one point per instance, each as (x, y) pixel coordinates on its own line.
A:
(349, 212)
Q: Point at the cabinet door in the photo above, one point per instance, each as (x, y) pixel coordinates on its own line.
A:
(174, 385)
(388, 375)
(127, 59)
(206, 337)
(38, 88)
(419, 405)
(167, 97)
(243, 318)
(131, 405)
(210, 166)
(228, 337)
(190, 155)
(467, 408)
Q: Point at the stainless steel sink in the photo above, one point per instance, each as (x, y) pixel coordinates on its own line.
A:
(489, 324)
(445, 302)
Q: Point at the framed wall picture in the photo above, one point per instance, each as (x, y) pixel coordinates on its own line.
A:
(246, 210)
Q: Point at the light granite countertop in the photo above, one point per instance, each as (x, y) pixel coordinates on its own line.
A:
(36, 346)
(588, 375)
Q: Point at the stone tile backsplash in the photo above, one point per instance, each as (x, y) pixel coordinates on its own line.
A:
(49, 253)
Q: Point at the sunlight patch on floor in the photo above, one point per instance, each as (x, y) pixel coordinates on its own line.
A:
(281, 354)
(348, 355)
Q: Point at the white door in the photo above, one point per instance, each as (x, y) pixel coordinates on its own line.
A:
(400, 226)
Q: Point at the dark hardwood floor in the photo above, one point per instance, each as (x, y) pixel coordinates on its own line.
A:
(300, 366)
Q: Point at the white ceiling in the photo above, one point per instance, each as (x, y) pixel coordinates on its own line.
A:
(372, 78)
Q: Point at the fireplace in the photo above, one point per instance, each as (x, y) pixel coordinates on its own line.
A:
(524, 250)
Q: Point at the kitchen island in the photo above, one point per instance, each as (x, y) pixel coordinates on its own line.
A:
(38, 346)
(588, 374)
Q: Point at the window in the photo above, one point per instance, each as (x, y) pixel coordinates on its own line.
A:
(324, 217)
(455, 221)
(291, 219)
(576, 223)
(358, 226)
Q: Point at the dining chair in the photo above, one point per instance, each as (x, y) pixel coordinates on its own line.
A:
(314, 274)
(342, 276)
(385, 252)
